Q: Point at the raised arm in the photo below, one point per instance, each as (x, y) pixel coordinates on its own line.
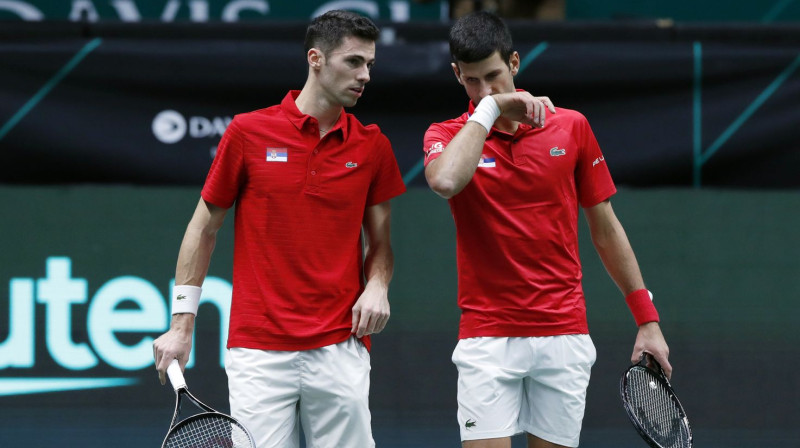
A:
(193, 261)
(371, 311)
(448, 174)
(615, 251)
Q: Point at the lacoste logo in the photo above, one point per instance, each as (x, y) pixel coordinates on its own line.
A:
(351, 164)
(470, 424)
(598, 160)
(181, 297)
(555, 152)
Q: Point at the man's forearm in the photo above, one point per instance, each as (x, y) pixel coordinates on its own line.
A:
(454, 168)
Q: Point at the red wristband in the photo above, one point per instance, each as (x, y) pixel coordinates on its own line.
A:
(641, 304)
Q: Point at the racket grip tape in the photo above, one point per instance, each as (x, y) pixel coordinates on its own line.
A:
(641, 305)
(175, 375)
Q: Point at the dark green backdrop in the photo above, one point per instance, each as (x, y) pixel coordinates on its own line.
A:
(723, 266)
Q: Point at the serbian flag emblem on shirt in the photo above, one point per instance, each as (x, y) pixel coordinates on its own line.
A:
(486, 162)
(277, 155)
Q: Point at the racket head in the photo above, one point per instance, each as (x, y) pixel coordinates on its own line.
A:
(653, 408)
(209, 430)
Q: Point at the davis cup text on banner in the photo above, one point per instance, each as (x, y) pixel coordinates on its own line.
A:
(214, 10)
(65, 300)
(170, 126)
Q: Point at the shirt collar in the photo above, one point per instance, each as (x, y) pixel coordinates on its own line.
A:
(301, 120)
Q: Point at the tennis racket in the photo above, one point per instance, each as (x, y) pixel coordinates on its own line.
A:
(206, 429)
(653, 407)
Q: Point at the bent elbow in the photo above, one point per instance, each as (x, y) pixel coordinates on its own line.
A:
(444, 187)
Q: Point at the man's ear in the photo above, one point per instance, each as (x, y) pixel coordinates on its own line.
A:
(513, 63)
(457, 72)
(315, 58)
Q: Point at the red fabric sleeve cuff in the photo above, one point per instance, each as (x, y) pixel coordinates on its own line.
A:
(642, 307)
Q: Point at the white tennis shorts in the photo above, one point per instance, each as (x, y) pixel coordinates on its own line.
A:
(325, 389)
(523, 384)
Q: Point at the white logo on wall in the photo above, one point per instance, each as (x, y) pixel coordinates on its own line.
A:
(170, 126)
(60, 297)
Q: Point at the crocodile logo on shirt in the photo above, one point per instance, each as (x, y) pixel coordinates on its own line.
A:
(470, 423)
(351, 164)
(555, 152)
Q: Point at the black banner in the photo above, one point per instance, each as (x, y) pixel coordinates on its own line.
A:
(146, 103)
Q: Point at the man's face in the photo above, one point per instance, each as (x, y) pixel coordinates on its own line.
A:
(488, 76)
(345, 70)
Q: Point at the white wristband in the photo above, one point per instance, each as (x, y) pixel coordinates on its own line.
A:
(486, 113)
(185, 299)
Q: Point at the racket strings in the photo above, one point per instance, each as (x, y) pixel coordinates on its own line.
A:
(656, 411)
(209, 432)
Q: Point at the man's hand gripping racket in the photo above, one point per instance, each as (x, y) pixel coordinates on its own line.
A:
(653, 407)
(208, 428)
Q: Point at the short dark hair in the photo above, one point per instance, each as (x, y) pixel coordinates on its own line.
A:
(477, 36)
(328, 30)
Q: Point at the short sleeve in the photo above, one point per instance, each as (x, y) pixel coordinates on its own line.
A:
(592, 176)
(436, 139)
(387, 181)
(227, 172)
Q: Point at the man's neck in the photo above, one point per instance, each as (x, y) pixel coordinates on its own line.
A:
(506, 125)
(318, 106)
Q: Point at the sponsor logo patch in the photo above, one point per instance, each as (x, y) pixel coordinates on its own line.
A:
(434, 149)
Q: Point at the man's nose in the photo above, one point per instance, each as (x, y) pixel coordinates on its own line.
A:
(363, 74)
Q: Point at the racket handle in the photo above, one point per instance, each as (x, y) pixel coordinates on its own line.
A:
(175, 375)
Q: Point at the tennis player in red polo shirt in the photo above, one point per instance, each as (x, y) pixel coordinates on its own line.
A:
(306, 177)
(515, 185)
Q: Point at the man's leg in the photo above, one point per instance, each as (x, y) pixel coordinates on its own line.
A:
(490, 376)
(505, 442)
(535, 442)
(334, 401)
(264, 391)
(555, 393)
(502, 442)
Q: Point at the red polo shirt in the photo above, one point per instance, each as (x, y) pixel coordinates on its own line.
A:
(300, 203)
(519, 272)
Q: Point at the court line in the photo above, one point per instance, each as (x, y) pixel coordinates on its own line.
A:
(526, 61)
(49, 85)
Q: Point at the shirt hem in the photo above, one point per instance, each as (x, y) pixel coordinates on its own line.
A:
(299, 345)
